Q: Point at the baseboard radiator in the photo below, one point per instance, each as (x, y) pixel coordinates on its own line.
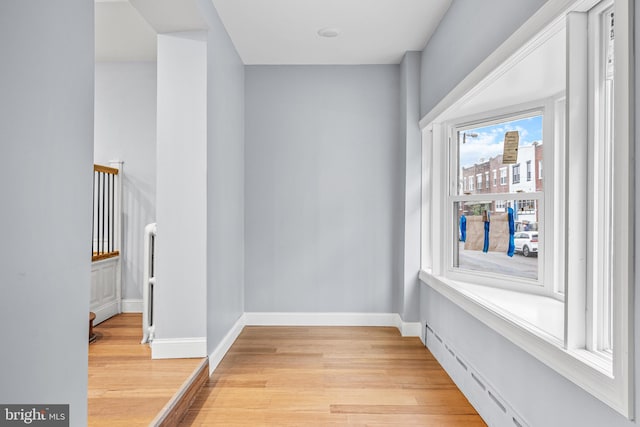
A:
(148, 282)
(492, 407)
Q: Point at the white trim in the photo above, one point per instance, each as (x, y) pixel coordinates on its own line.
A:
(320, 319)
(104, 300)
(576, 176)
(624, 199)
(410, 329)
(492, 65)
(105, 311)
(110, 260)
(132, 306)
(223, 347)
(178, 348)
(118, 229)
(196, 347)
(334, 319)
(407, 329)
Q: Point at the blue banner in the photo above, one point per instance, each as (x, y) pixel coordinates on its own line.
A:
(487, 221)
(512, 230)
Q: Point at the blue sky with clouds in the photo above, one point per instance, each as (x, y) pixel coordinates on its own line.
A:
(490, 139)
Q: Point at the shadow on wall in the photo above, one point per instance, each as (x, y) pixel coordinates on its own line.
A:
(138, 211)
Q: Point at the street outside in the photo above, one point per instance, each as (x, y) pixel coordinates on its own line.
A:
(499, 262)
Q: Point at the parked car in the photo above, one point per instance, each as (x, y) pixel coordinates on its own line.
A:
(526, 226)
(526, 242)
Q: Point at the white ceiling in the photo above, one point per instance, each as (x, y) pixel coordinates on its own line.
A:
(122, 34)
(285, 31)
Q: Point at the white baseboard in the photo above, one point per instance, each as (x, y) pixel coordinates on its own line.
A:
(320, 319)
(178, 348)
(132, 305)
(407, 329)
(410, 329)
(105, 311)
(334, 319)
(197, 347)
(221, 349)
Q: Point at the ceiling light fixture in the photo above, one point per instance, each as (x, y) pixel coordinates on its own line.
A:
(329, 32)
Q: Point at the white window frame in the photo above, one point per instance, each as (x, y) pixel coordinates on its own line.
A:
(513, 174)
(540, 286)
(504, 178)
(600, 97)
(611, 382)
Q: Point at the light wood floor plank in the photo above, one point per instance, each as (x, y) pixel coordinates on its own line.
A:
(126, 387)
(324, 376)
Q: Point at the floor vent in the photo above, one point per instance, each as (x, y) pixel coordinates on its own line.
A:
(461, 363)
(480, 383)
(491, 406)
(497, 401)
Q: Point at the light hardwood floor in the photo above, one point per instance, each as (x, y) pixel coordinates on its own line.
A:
(126, 387)
(320, 376)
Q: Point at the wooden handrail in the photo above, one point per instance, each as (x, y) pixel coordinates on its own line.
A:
(100, 256)
(105, 169)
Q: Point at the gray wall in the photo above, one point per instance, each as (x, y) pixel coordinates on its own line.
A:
(468, 33)
(225, 181)
(323, 182)
(540, 395)
(181, 189)
(46, 132)
(125, 129)
(408, 303)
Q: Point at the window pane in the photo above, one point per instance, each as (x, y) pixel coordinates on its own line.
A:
(469, 252)
(481, 149)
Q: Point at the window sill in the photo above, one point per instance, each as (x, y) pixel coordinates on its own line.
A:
(540, 314)
(531, 329)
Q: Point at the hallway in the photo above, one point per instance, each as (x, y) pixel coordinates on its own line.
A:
(329, 376)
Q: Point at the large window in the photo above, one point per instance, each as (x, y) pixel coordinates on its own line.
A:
(549, 266)
(484, 221)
